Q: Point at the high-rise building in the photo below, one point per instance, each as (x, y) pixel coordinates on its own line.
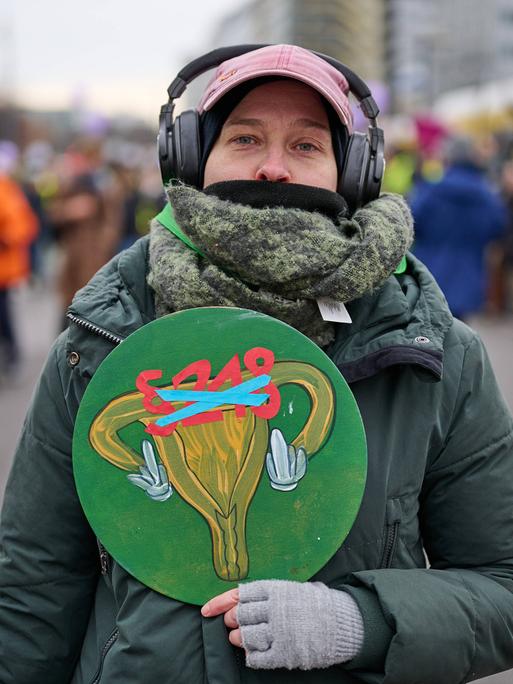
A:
(503, 40)
(434, 46)
(410, 27)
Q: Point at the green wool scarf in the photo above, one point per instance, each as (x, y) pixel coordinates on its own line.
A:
(274, 260)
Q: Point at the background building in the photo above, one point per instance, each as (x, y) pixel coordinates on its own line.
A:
(434, 47)
(503, 39)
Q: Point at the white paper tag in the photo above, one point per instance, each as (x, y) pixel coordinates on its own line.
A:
(333, 311)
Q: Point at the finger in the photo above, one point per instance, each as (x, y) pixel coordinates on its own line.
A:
(221, 603)
(235, 638)
(230, 618)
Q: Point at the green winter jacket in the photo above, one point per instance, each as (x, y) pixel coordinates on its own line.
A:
(440, 485)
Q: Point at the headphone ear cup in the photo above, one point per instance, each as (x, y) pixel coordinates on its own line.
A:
(187, 148)
(352, 179)
(165, 143)
(376, 168)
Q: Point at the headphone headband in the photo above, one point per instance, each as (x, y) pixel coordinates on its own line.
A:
(215, 57)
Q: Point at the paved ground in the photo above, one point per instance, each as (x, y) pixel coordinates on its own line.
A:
(38, 327)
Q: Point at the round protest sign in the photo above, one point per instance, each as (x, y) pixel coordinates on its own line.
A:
(215, 446)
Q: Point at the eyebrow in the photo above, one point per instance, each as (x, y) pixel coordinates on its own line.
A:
(304, 122)
(244, 122)
(311, 123)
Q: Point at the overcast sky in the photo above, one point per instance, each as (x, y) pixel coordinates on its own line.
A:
(114, 54)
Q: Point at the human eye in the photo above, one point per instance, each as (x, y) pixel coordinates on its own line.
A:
(306, 147)
(244, 140)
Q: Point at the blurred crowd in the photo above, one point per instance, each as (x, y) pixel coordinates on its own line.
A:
(460, 190)
(63, 214)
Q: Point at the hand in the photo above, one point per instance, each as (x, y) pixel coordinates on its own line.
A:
(226, 603)
(296, 625)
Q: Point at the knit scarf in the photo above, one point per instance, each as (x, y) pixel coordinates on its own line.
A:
(275, 260)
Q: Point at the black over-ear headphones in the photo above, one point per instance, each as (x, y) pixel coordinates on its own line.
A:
(179, 140)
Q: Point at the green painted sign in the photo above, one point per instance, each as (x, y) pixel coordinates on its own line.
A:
(215, 446)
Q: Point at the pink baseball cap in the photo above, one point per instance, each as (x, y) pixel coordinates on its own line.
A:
(290, 61)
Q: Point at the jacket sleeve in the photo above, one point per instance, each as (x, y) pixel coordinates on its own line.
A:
(453, 622)
(48, 557)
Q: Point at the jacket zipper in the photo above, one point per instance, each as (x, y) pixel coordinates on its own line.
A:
(391, 539)
(106, 648)
(91, 327)
(393, 520)
(104, 557)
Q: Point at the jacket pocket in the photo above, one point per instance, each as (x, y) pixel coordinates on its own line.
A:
(106, 648)
(391, 532)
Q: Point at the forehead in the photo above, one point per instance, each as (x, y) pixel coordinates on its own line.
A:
(278, 98)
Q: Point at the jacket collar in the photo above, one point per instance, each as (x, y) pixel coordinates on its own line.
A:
(403, 322)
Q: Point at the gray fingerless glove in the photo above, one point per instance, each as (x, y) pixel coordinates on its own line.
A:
(297, 625)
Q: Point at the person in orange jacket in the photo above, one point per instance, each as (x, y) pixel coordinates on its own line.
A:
(18, 228)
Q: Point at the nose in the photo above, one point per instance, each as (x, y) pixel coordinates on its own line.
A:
(273, 168)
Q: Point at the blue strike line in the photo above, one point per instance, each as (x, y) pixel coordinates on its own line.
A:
(212, 397)
(205, 400)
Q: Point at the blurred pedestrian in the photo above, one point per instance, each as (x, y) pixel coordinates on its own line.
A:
(132, 207)
(18, 228)
(81, 220)
(507, 242)
(36, 166)
(456, 219)
(400, 170)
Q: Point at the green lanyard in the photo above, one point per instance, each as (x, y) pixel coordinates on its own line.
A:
(167, 219)
(403, 265)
